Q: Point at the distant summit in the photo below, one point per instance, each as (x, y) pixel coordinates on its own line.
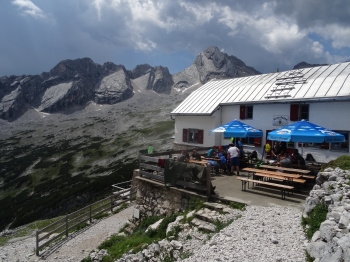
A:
(76, 82)
(212, 64)
(303, 64)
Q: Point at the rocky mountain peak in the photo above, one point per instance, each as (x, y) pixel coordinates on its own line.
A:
(75, 82)
(212, 64)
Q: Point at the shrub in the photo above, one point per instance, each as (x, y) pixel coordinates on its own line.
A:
(195, 204)
(316, 217)
(237, 205)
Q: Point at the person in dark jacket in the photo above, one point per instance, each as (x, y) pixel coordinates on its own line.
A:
(195, 155)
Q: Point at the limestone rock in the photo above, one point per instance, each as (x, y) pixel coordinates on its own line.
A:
(73, 83)
(114, 88)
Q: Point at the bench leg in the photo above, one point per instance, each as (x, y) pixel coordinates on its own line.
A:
(244, 184)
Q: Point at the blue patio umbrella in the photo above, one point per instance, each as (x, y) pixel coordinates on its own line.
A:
(305, 132)
(237, 128)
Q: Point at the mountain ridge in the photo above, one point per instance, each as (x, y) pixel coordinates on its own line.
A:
(76, 82)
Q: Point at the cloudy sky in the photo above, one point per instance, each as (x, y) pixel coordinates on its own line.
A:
(37, 34)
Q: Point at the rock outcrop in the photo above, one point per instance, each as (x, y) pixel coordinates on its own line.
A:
(212, 64)
(332, 241)
(73, 83)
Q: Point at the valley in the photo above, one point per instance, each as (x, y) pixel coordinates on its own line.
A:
(52, 164)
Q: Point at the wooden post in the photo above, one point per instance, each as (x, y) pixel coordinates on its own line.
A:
(111, 203)
(66, 225)
(37, 243)
(208, 171)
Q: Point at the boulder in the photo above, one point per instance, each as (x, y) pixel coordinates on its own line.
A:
(316, 249)
(328, 230)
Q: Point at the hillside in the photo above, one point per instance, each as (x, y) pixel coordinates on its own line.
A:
(69, 134)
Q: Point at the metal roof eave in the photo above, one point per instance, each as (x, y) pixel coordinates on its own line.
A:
(313, 99)
(192, 114)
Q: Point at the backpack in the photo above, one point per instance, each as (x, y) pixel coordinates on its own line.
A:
(254, 155)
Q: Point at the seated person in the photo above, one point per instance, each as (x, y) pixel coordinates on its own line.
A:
(300, 161)
(253, 155)
(285, 161)
(223, 161)
(183, 157)
(215, 165)
(240, 147)
(212, 152)
(293, 156)
(195, 155)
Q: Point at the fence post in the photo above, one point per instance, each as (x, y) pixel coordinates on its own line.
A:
(111, 203)
(37, 243)
(66, 225)
(208, 171)
(90, 214)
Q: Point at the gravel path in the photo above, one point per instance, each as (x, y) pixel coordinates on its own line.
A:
(75, 249)
(261, 234)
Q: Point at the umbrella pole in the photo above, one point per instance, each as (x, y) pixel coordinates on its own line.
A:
(302, 149)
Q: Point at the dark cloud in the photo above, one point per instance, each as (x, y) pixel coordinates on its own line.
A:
(266, 35)
(314, 12)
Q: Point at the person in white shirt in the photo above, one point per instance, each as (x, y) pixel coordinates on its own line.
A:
(234, 158)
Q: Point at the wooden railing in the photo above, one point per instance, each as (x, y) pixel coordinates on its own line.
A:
(149, 169)
(122, 193)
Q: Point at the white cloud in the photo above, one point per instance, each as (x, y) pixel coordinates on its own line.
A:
(338, 34)
(145, 45)
(29, 8)
(98, 5)
(317, 49)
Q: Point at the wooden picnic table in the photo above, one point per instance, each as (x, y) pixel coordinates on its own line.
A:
(268, 174)
(202, 162)
(212, 158)
(287, 169)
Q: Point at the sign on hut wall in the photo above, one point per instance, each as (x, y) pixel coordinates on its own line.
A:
(280, 120)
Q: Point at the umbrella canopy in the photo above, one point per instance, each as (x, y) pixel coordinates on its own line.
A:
(305, 132)
(236, 128)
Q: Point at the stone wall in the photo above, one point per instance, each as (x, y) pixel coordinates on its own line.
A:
(153, 198)
(332, 241)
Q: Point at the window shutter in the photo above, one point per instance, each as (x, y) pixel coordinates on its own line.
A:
(325, 146)
(242, 112)
(184, 135)
(294, 112)
(200, 136)
(257, 141)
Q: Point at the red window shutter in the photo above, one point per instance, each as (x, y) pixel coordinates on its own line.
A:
(294, 112)
(242, 112)
(184, 135)
(257, 141)
(200, 136)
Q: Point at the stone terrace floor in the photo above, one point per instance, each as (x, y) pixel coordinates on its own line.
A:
(230, 188)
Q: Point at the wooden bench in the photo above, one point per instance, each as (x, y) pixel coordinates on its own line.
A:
(284, 188)
(287, 169)
(281, 177)
(251, 170)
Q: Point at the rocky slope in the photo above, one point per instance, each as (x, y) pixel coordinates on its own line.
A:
(73, 83)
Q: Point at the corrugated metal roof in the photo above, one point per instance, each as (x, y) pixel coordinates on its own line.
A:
(323, 82)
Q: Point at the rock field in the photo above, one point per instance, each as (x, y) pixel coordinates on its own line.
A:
(259, 234)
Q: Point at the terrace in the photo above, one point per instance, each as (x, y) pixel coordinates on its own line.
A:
(227, 187)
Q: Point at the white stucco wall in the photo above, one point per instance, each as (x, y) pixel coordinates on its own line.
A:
(332, 115)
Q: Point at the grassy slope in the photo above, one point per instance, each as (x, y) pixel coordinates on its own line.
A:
(42, 181)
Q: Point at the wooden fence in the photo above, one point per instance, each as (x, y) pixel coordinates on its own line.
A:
(149, 168)
(122, 193)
